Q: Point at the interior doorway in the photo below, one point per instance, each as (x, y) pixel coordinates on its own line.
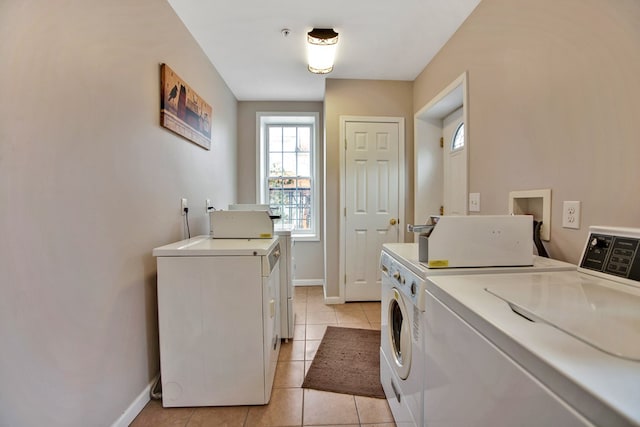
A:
(429, 168)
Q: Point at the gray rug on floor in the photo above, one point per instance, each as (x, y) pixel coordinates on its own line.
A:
(347, 361)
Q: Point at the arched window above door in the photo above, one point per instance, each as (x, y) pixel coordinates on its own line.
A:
(457, 142)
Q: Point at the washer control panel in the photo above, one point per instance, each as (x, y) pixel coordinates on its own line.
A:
(403, 279)
(613, 254)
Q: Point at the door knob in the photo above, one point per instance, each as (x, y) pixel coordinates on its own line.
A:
(393, 221)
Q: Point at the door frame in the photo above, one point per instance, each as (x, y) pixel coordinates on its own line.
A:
(343, 191)
(427, 133)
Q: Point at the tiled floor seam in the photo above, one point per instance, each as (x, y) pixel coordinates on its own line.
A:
(302, 423)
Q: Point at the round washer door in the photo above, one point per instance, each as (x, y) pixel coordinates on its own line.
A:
(399, 334)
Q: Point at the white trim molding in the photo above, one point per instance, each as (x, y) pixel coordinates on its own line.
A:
(308, 282)
(136, 406)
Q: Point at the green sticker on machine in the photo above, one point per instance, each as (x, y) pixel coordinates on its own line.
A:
(439, 263)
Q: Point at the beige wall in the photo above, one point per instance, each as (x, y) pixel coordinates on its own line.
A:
(89, 184)
(360, 98)
(308, 256)
(554, 102)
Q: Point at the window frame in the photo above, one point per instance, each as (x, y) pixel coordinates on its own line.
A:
(265, 119)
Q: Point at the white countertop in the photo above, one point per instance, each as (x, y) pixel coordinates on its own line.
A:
(206, 246)
(603, 387)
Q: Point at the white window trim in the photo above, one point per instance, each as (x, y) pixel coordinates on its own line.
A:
(264, 118)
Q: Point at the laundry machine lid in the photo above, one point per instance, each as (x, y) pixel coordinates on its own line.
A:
(206, 246)
(599, 312)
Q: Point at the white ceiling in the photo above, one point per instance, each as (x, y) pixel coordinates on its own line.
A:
(380, 40)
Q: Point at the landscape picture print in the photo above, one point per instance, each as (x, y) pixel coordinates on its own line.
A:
(182, 110)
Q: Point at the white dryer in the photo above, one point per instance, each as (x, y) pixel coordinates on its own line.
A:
(219, 320)
(549, 348)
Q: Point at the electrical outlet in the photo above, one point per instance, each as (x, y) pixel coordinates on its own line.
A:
(571, 214)
(183, 206)
(474, 202)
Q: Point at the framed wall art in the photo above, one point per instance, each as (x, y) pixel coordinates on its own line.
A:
(182, 110)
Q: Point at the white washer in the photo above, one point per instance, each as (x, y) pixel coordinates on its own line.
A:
(401, 358)
(551, 348)
(403, 258)
(219, 320)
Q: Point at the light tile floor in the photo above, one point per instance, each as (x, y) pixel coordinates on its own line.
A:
(291, 405)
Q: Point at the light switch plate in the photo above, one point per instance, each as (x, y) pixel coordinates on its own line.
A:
(474, 202)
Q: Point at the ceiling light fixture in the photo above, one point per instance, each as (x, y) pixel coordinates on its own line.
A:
(321, 49)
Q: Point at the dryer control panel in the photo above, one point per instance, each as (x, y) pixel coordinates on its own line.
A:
(613, 254)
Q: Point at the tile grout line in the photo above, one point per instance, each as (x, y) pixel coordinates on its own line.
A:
(190, 416)
(306, 311)
(304, 358)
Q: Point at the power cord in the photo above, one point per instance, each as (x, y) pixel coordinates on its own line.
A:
(186, 220)
(156, 389)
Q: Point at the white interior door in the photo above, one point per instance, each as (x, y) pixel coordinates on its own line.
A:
(371, 203)
(454, 164)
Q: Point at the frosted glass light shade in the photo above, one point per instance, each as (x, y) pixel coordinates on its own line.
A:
(321, 49)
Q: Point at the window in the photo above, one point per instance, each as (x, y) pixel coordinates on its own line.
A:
(457, 143)
(288, 180)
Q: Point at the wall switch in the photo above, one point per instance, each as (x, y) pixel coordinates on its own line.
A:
(183, 206)
(571, 214)
(474, 202)
(208, 206)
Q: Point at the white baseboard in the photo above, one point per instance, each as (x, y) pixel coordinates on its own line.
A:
(333, 300)
(308, 282)
(136, 406)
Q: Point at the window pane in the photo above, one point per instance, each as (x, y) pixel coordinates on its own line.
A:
(289, 138)
(275, 138)
(458, 138)
(289, 164)
(304, 139)
(304, 164)
(276, 197)
(304, 205)
(275, 184)
(275, 164)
